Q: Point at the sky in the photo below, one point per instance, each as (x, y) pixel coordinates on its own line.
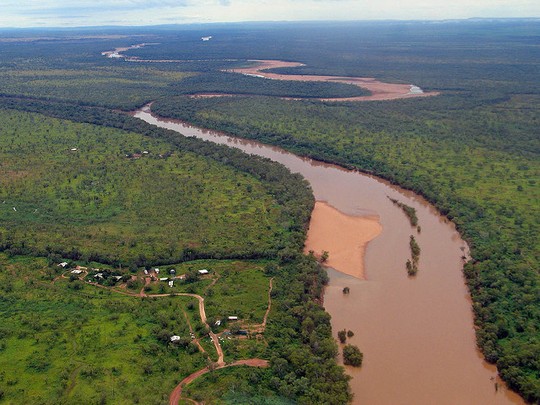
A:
(70, 13)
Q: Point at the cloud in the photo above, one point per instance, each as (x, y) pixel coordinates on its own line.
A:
(148, 12)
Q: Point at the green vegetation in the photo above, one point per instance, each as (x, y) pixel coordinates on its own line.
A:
(344, 334)
(412, 265)
(408, 210)
(473, 152)
(233, 83)
(70, 189)
(299, 336)
(101, 157)
(352, 356)
(67, 342)
(104, 86)
(484, 180)
(234, 386)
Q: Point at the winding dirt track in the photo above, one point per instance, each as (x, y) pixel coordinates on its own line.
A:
(261, 327)
(176, 395)
(177, 392)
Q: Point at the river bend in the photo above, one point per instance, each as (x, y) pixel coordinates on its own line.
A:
(416, 334)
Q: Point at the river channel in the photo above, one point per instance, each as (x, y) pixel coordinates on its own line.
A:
(416, 334)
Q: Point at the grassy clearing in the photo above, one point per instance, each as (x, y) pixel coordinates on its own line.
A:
(66, 344)
(68, 341)
(235, 385)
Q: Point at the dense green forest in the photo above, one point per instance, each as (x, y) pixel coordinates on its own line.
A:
(71, 70)
(472, 151)
(99, 193)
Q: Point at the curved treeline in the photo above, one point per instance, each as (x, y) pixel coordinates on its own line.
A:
(300, 344)
(463, 160)
(234, 83)
(290, 191)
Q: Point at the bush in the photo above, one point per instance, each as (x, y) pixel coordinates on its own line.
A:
(352, 356)
(342, 336)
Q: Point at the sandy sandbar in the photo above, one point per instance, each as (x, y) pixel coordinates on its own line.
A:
(379, 90)
(344, 237)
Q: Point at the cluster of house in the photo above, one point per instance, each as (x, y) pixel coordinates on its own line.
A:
(176, 338)
(79, 270)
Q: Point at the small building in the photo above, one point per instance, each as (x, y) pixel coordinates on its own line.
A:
(99, 275)
(63, 264)
(156, 271)
(76, 271)
(203, 271)
(164, 279)
(175, 338)
(218, 322)
(171, 283)
(145, 271)
(232, 318)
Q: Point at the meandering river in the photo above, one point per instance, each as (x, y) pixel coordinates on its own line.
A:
(416, 334)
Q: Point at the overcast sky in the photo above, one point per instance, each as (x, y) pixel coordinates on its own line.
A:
(58, 13)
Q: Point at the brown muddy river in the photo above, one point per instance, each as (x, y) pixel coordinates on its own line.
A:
(417, 333)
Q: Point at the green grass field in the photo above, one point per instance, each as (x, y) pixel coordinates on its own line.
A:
(66, 341)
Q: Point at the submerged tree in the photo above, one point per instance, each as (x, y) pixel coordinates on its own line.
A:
(352, 356)
(342, 336)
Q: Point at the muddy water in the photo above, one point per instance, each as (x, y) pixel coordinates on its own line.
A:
(416, 334)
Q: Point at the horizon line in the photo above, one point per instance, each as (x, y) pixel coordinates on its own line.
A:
(184, 24)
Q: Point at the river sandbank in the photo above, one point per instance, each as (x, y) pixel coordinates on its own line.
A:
(379, 90)
(344, 237)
